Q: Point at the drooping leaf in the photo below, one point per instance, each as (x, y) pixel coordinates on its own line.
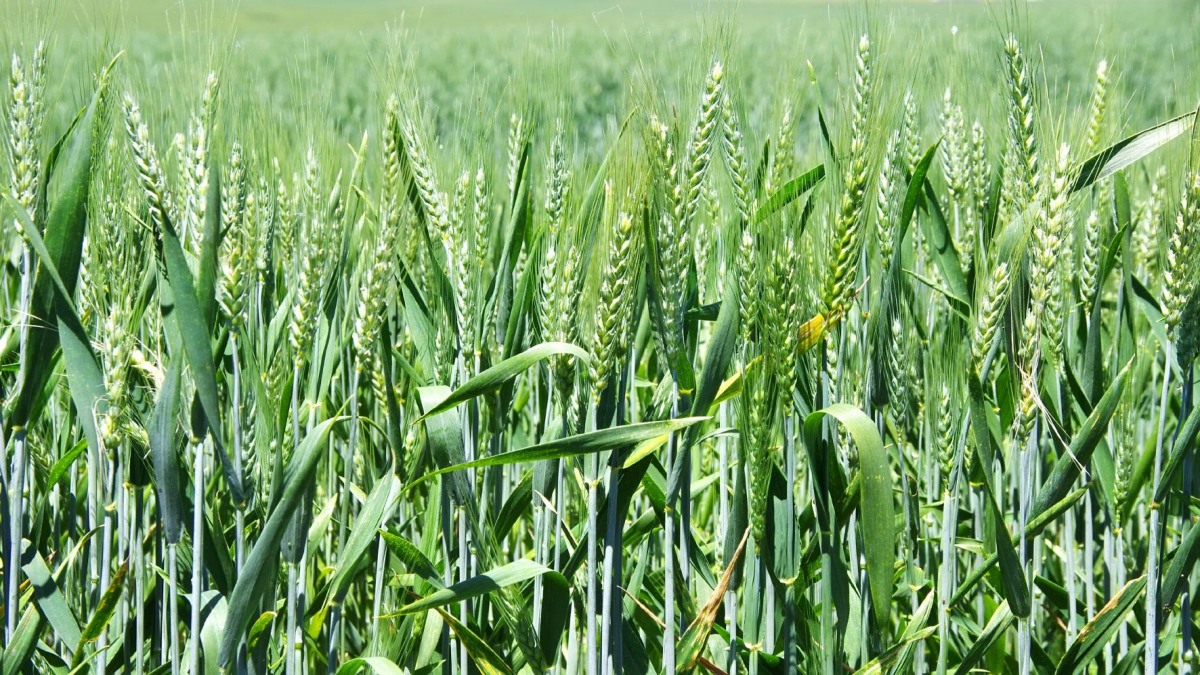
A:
(877, 508)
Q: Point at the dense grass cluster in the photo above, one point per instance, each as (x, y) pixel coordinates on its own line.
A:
(649, 362)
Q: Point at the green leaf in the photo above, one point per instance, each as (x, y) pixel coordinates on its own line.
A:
(506, 575)
(881, 318)
(444, 433)
(572, 446)
(412, 557)
(50, 600)
(65, 226)
(719, 354)
(877, 510)
(380, 502)
(912, 198)
(243, 602)
(1012, 240)
(1184, 437)
(941, 247)
(1056, 495)
(507, 369)
(902, 653)
(1016, 587)
(1066, 467)
(556, 611)
(195, 334)
(1096, 634)
(996, 626)
(215, 612)
(164, 452)
(104, 611)
(86, 388)
(376, 664)
(19, 650)
(210, 248)
(789, 192)
(1128, 150)
(482, 655)
(1175, 579)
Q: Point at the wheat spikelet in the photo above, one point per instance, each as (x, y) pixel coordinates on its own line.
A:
(614, 311)
(238, 255)
(735, 159)
(1099, 105)
(1179, 274)
(1021, 117)
(839, 280)
(516, 139)
(1089, 259)
(26, 114)
(149, 171)
(910, 132)
(990, 314)
(979, 174)
(1056, 226)
(886, 201)
(700, 155)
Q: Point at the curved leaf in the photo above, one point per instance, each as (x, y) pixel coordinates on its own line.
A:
(506, 575)
(501, 372)
(877, 510)
(571, 446)
(376, 664)
(1128, 150)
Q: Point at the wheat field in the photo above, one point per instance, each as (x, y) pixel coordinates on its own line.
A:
(522, 337)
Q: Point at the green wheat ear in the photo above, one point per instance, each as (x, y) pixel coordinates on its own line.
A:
(847, 241)
(1179, 274)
